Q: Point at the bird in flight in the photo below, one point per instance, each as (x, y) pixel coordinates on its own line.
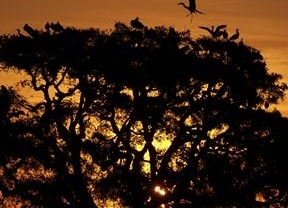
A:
(191, 8)
(215, 33)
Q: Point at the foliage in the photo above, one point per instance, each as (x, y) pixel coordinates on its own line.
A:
(142, 117)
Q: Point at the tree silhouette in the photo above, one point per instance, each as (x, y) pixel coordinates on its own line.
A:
(143, 117)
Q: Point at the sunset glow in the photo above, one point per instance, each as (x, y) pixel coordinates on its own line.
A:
(172, 113)
(262, 27)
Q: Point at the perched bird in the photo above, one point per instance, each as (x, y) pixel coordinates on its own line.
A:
(214, 33)
(224, 34)
(47, 26)
(191, 8)
(241, 43)
(20, 34)
(32, 32)
(56, 27)
(136, 23)
(235, 35)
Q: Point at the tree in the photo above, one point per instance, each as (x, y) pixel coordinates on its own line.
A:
(145, 117)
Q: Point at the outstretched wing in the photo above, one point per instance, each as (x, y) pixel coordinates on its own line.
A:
(207, 29)
(196, 11)
(220, 27)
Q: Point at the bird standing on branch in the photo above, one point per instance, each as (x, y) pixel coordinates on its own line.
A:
(215, 33)
(47, 27)
(56, 27)
(20, 34)
(191, 8)
(136, 23)
(225, 34)
(32, 32)
(236, 35)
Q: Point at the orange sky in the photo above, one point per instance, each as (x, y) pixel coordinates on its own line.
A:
(262, 23)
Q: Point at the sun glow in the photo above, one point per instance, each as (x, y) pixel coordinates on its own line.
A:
(160, 190)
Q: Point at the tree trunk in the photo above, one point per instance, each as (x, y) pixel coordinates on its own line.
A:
(79, 183)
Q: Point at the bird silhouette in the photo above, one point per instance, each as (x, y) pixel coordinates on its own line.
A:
(32, 32)
(20, 34)
(241, 43)
(56, 27)
(47, 26)
(235, 35)
(224, 34)
(136, 23)
(214, 33)
(192, 8)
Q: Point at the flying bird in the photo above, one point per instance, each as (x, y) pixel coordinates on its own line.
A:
(214, 33)
(235, 35)
(136, 23)
(191, 8)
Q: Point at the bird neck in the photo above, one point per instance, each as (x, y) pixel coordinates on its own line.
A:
(184, 5)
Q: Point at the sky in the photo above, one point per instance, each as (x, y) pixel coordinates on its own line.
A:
(263, 24)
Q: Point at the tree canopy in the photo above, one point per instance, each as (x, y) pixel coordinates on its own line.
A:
(140, 118)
